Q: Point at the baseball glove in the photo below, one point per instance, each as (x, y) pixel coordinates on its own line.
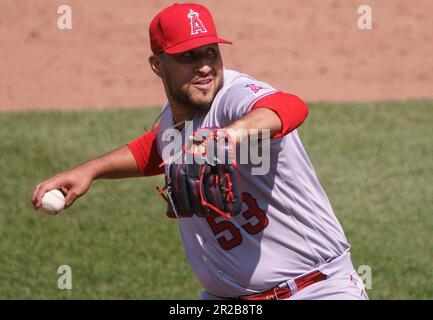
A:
(203, 179)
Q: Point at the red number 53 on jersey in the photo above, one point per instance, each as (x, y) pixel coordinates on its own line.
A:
(236, 236)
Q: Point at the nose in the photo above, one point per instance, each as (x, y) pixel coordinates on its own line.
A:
(204, 71)
(204, 67)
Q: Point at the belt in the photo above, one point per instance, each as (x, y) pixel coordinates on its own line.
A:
(278, 293)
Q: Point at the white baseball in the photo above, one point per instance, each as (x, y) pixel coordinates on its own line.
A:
(53, 201)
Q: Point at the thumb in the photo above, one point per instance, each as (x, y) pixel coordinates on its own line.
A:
(71, 196)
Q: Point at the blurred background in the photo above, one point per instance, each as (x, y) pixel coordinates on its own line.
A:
(311, 48)
(70, 95)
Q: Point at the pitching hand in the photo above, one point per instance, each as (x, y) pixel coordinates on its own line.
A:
(73, 183)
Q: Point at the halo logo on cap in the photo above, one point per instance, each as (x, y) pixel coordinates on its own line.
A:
(182, 27)
(196, 24)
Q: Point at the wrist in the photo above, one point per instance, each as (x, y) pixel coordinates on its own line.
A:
(91, 169)
(236, 132)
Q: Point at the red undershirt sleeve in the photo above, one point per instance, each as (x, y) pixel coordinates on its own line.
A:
(145, 151)
(291, 110)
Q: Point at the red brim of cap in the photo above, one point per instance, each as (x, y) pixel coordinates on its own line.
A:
(193, 44)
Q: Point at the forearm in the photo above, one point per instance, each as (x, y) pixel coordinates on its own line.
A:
(257, 119)
(118, 163)
(115, 164)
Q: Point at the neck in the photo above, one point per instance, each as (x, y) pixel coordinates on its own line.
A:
(181, 113)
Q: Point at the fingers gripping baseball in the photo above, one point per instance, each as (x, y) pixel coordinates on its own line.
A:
(72, 183)
(44, 187)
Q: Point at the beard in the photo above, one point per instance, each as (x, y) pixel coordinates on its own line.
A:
(185, 98)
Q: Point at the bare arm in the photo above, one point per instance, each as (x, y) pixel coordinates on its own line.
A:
(74, 183)
(115, 164)
(279, 112)
(260, 118)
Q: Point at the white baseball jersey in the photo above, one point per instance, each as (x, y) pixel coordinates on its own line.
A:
(287, 226)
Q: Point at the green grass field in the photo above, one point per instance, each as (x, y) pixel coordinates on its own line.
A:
(375, 162)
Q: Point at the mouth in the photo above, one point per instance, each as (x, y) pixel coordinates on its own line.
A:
(203, 84)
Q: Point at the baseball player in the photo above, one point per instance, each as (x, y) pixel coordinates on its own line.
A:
(247, 236)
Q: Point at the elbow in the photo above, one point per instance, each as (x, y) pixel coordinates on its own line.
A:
(303, 111)
(291, 110)
(295, 113)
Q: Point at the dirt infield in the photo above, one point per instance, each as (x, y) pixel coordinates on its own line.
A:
(310, 48)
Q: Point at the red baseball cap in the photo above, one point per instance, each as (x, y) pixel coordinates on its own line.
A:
(182, 27)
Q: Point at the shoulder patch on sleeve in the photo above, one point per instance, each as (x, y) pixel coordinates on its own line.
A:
(254, 88)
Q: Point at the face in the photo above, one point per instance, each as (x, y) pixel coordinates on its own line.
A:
(192, 78)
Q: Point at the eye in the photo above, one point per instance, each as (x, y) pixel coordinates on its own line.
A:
(187, 54)
(211, 52)
(185, 57)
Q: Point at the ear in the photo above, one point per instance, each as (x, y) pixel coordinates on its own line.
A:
(155, 64)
